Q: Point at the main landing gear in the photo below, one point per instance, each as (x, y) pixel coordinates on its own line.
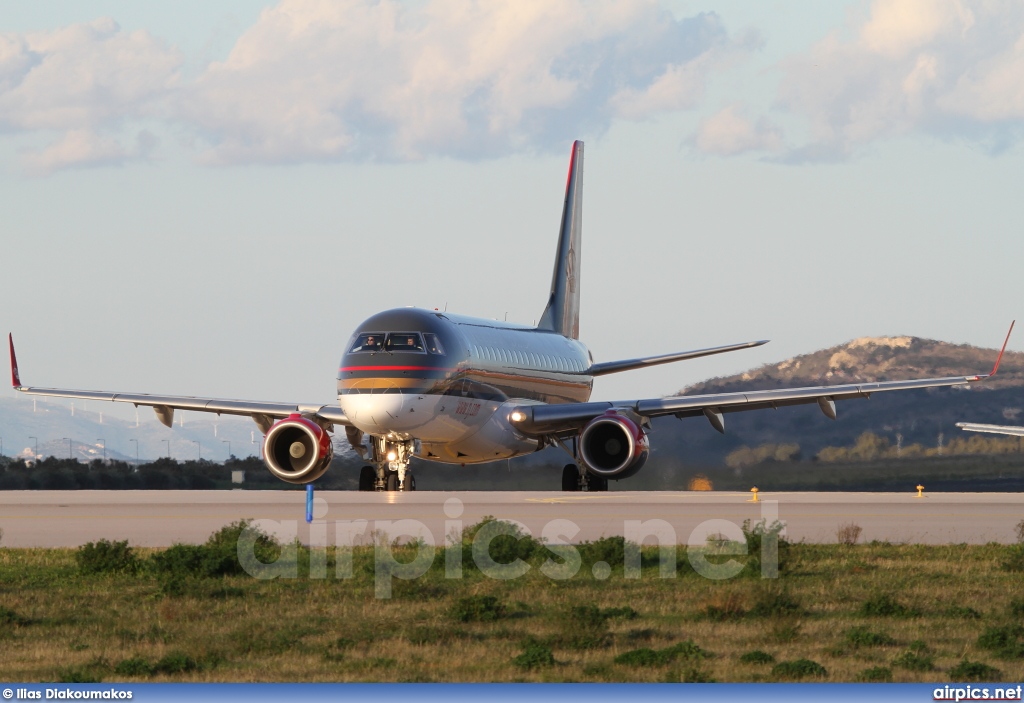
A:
(391, 471)
(577, 478)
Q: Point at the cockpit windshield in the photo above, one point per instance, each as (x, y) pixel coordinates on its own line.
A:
(404, 342)
(368, 342)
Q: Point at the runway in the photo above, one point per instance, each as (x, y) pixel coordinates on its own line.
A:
(162, 518)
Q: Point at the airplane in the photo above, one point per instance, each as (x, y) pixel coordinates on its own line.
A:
(458, 390)
(993, 429)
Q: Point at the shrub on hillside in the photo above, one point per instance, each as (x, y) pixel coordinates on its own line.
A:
(106, 557)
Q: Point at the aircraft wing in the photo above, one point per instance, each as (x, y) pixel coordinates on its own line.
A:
(542, 420)
(263, 413)
(994, 429)
(643, 362)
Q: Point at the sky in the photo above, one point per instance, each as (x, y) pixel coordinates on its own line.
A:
(207, 198)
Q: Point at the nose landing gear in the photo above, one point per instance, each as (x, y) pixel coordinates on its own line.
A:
(391, 471)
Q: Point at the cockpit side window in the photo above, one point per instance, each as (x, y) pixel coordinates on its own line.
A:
(434, 345)
(404, 342)
(367, 342)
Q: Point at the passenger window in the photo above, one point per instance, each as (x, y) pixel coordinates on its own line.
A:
(404, 342)
(367, 342)
(433, 344)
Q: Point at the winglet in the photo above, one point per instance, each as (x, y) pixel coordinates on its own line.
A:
(15, 376)
(998, 358)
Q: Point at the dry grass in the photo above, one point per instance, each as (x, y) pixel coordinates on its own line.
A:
(63, 625)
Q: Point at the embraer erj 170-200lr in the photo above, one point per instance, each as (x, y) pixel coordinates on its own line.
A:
(459, 390)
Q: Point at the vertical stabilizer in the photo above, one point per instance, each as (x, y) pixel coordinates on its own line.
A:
(562, 315)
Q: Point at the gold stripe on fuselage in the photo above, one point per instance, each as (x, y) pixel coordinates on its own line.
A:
(378, 382)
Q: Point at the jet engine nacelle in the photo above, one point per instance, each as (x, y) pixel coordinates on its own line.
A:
(613, 445)
(297, 450)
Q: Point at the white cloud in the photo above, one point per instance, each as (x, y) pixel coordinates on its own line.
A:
(730, 132)
(950, 68)
(322, 80)
(388, 80)
(82, 148)
(83, 83)
(82, 76)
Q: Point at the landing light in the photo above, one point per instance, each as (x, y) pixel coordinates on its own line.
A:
(392, 456)
(517, 416)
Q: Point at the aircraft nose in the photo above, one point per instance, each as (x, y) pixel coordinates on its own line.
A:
(374, 413)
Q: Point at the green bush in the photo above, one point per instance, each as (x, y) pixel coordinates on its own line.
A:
(914, 661)
(586, 626)
(641, 657)
(135, 666)
(885, 606)
(974, 671)
(876, 674)
(757, 657)
(773, 602)
(798, 669)
(507, 544)
(610, 550)
(176, 663)
(645, 656)
(625, 613)
(106, 557)
(759, 534)
(9, 618)
(478, 609)
(217, 557)
(534, 656)
(695, 674)
(1003, 640)
(1014, 561)
(426, 634)
(962, 612)
(863, 637)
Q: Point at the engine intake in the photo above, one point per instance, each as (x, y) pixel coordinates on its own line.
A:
(297, 450)
(613, 445)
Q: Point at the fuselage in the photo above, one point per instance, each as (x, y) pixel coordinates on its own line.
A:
(449, 381)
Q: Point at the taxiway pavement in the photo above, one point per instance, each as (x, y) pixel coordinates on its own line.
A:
(162, 518)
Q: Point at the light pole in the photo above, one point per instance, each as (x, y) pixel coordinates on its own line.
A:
(35, 457)
(168, 447)
(199, 449)
(104, 449)
(69, 446)
(136, 451)
(225, 441)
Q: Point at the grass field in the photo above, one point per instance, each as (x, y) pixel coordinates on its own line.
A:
(873, 612)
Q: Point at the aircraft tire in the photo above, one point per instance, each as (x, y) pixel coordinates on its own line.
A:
(392, 481)
(570, 478)
(367, 477)
(597, 483)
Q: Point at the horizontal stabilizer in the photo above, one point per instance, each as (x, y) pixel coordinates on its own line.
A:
(994, 429)
(630, 364)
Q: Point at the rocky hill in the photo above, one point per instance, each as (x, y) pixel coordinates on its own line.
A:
(927, 417)
(874, 359)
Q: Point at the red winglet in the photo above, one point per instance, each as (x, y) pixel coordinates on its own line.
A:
(15, 377)
(1000, 357)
